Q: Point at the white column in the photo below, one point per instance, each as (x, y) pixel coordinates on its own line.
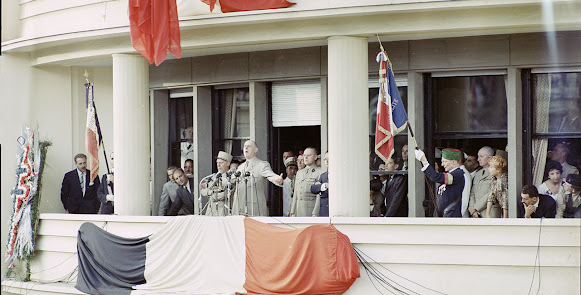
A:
(348, 122)
(416, 185)
(131, 134)
(515, 132)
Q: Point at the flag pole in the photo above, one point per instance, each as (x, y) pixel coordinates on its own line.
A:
(101, 142)
(430, 188)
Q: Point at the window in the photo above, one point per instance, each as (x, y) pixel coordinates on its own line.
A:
(556, 114)
(231, 120)
(181, 127)
(467, 112)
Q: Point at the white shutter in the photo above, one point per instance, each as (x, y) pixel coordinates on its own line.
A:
(296, 103)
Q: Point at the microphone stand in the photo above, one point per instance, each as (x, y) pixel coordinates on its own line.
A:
(246, 194)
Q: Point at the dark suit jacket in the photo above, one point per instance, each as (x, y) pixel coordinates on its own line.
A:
(324, 200)
(72, 194)
(183, 199)
(547, 208)
(378, 204)
(102, 192)
(396, 199)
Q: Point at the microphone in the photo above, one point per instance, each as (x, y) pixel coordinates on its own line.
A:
(216, 179)
(237, 174)
(232, 170)
(247, 174)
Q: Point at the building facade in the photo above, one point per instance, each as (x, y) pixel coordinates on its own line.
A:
(472, 73)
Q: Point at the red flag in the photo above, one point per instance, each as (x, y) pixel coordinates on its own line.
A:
(91, 142)
(246, 5)
(391, 115)
(155, 29)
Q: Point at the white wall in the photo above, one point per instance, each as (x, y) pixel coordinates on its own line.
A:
(454, 256)
(14, 110)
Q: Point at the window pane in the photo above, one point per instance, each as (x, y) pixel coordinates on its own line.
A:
(473, 104)
(234, 119)
(181, 130)
(557, 102)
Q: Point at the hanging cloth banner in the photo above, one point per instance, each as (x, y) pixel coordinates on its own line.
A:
(155, 29)
(217, 255)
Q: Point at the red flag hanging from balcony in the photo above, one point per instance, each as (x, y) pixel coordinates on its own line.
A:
(246, 5)
(155, 29)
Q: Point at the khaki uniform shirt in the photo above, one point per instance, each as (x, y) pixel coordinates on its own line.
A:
(481, 186)
(218, 198)
(303, 203)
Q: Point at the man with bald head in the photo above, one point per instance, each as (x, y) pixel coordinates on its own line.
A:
(250, 198)
(481, 187)
(304, 200)
(559, 154)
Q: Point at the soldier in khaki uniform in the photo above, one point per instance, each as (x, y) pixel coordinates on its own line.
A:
(481, 185)
(217, 192)
(303, 203)
(250, 199)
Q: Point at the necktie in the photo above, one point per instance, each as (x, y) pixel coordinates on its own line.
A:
(83, 183)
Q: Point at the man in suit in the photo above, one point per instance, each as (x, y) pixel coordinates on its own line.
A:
(250, 198)
(535, 205)
(105, 193)
(376, 199)
(481, 187)
(304, 201)
(449, 198)
(78, 192)
(184, 198)
(321, 187)
(168, 194)
(559, 154)
(396, 191)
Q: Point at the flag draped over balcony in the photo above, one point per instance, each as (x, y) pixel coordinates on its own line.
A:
(391, 114)
(155, 29)
(217, 255)
(93, 135)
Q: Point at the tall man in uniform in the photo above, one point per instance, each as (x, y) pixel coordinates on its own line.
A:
(481, 187)
(78, 192)
(303, 200)
(250, 197)
(449, 199)
(217, 189)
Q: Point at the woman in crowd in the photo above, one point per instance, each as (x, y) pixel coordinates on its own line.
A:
(499, 189)
(553, 184)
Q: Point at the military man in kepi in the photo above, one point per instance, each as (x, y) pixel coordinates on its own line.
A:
(303, 203)
(569, 198)
(450, 192)
(218, 187)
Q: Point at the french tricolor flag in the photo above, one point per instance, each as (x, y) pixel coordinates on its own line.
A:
(217, 255)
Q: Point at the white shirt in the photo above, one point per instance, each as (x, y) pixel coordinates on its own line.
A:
(82, 180)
